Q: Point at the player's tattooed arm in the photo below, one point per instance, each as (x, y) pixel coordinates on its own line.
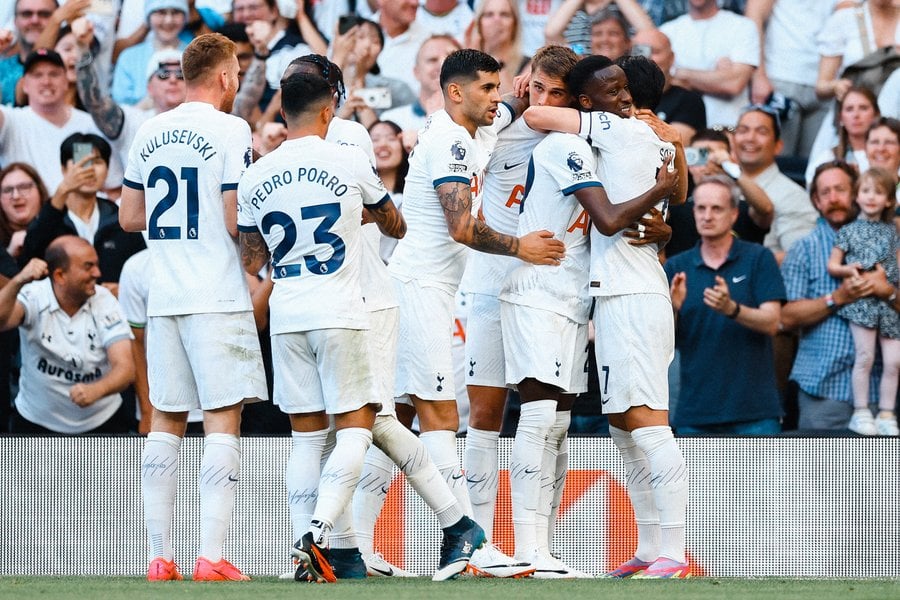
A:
(537, 247)
(108, 116)
(254, 252)
(252, 87)
(389, 220)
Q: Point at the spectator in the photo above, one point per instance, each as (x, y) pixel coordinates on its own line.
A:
(448, 17)
(75, 209)
(31, 17)
(757, 140)
(856, 110)
(119, 123)
(26, 133)
(402, 38)
(573, 23)
(496, 30)
(883, 145)
(824, 362)
(727, 296)
(609, 34)
(754, 216)
(789, 64)
(392, 164)
(356, 52)
(166, 19)
(76, 349)
(866, 244)
(22, 194)
(427, 71)
(535, 14)
(681, 108)
(721, 65)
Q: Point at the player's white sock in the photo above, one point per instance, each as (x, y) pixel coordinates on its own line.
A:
(482, 475)
(410, 454)
(342, 536)
(669, 482)
(637, 481)
(441, 446)
(535, 420)
(159, 482)
(340, 475)
(219, 473)
(301, 477)
(554, 469)
(368, 498)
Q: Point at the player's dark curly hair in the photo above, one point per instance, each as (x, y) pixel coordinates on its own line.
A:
(645, 80)
(583, 71)
(463, 66)
(321, 66)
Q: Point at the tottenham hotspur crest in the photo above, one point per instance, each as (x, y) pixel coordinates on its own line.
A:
(574, 162)
(457, 150)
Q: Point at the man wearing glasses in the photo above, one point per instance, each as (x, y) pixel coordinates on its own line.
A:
(757, 139)
(120, 122)
(31, 18)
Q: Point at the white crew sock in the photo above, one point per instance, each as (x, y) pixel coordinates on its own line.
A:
(340, 476)
(482, 476)
(637, 482)
(219, 473)
(525, 461)
(410, 454)
(441, 446)
(669, 482)
(368, 498)
(554, 469)
(159, 482)
(301, 477)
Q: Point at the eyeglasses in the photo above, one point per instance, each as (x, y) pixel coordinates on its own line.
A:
(30, 14)
(164, 74)
(23, 188)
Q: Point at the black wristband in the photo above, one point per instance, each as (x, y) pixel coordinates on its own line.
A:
(735, 312)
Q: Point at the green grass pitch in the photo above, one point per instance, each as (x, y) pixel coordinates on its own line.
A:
(25, 588)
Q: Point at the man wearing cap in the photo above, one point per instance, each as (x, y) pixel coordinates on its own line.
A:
(120, 122)
(166, 19)
(28, 132)
(757, 139)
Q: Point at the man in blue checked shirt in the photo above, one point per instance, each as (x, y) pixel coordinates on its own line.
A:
(825, 356)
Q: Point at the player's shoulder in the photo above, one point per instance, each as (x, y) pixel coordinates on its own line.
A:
(556, 145)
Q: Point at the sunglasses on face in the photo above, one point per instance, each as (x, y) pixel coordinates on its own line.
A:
(30, 14)
(164, 74)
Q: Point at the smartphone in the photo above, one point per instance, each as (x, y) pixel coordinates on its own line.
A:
(641, 50)
(80, 150)
(375, 97)
(348, 22)
(696, 156)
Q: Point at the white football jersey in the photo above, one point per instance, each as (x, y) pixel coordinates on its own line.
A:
(630, 155)
(560, 165)
(503, 190)
(350, 133)
(306, 199)
(183, 159)
(444, 153)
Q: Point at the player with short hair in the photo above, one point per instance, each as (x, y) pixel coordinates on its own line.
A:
(301, 204)
(442, 186)
(202, 345)
(633, 311)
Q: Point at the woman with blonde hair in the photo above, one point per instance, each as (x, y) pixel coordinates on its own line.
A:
(496, 29)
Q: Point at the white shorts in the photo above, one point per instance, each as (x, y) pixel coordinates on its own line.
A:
(546, 346)
(484, 363)
(383, 347)
(323, 369)
(424, 355)
(207, 360)
(635, 342)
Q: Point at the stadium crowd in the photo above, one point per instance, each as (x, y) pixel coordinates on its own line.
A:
(729, 183)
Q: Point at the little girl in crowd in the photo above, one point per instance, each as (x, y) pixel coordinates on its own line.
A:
(868, 241)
